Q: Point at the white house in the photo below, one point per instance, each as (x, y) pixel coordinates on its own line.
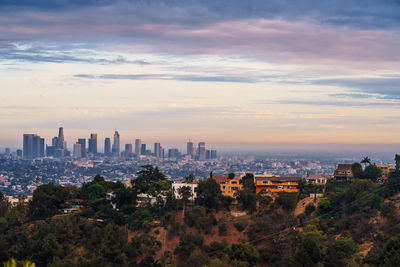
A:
(177, 185)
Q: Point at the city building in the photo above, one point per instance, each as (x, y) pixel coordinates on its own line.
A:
(33, 146)
(138, 143)
(318, 179)
(201, 151)
(107, 146)
(228, 187)
(128, 150)
(82, 142)
(189, 148)
(92, 144)
(143, 150)
(157, 150)
(173, 153)
(343, 172)
(116, 144)
(77, 150)
(177, 185)
(273, 184)
(7, 151)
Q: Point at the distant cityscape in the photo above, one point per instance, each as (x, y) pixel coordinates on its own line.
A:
(35, 147)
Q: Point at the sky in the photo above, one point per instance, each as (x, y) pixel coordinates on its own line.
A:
(247, 74)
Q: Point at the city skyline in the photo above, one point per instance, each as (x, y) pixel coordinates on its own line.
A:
(249, 73)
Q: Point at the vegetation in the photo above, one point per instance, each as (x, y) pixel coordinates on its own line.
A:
(112, 226)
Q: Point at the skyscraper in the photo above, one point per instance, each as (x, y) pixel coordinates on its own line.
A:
(128, 149)
(189, 148)
(201, 151)
(33, 146)
(28, 146)
(138, 143)
(77, 150)
(143, 149)
(107, 146)
(116, 144)
(92, 143)
(157, 150)
(82, 142)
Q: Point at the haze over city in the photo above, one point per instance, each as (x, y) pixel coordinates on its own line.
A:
(250, 75)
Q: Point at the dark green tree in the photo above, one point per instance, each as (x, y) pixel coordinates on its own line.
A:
(208, 192)
(357, 170)
(145, 177)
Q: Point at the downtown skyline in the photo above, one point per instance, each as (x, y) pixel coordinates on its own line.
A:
(254, 75)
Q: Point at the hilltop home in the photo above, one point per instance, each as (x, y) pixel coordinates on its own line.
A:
(385, 169)
(228, 186)
(179, 184)
(318, 179)
(276, 184)
(343, 172)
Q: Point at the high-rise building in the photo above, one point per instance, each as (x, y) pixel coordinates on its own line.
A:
(128, 149)
(33, 146)
(143, 149)
(189, 148)
(7, 151)
(92, 143)
(138, 143)
(157, 150)
(107, 146)
(41, 150)
(116, 144)
(77, 150)
(82, 142)
(213, 154)
(28, 146)
(201, 151)
(19, 153)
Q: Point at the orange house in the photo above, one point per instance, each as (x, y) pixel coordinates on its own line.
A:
(277, 184)
(228, 186)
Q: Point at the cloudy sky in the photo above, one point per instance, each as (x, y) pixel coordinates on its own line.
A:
(249, 72)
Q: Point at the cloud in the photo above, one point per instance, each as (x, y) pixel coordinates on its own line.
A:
(335, 103)
(196, 78)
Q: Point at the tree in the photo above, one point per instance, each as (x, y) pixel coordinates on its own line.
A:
(190, 178)
(391, 252)
(357, 170)
(397, 160)
(231, 175)
(244, 252)
(186, 193)
(366, 161)
(287, 200)
(372, 172)
(145, 177)
(248, 182)
(312, 247)
(208, 191)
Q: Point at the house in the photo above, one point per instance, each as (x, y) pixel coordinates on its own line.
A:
(228, 187)
(343, 172)
(179, 184)
(318, 179)
(276, 184)
(385, 169)
(144, 199)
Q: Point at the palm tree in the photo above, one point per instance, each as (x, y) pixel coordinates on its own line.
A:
(366, 161)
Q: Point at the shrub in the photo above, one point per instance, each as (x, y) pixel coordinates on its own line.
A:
(309, 208)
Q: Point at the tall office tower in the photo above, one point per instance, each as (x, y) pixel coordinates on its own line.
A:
(28, 146)
(82, 142)
(116, 144)
(41, 151)
(201, 151)
(92, 143)
(208, 154)
(162, 154)
(35, 146)
(143, 149)
(213, 154)
(128, 149)
(157, 150)
(61, 142)
(138, 143)
(107, 146)
(189, 148)
(77, 150)
(7, 151)
(19, 153)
